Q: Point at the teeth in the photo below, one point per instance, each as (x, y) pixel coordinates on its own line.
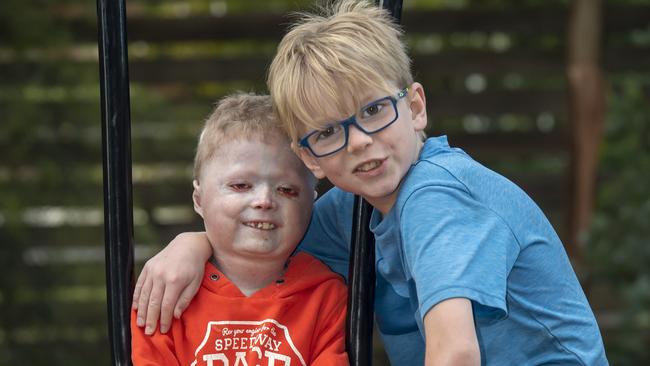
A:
(369, 166)
(261, 225)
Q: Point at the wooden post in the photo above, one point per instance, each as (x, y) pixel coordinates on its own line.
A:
(586, 113)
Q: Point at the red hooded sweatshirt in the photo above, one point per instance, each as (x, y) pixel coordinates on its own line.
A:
(299, 320)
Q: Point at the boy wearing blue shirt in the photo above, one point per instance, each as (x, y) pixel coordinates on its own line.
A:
(469, 270)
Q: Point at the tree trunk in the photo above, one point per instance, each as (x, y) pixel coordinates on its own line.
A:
(586, 113)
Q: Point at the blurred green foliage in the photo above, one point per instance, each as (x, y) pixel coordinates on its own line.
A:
(617, 246)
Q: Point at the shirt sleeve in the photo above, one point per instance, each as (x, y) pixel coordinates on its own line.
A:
(329, 345)
(329, 231)
(154, 350)
(457, 248)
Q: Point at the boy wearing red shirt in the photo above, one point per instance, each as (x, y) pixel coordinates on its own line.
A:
(258, 304)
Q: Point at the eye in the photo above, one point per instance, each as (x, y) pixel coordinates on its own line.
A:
(288, 191)
(239, 187)
(327, 132)
(374, 109)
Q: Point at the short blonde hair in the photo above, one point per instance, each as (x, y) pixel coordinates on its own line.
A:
(239, 115)
(330, 59)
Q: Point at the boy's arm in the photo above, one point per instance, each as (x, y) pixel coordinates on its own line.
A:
(169, 281)
(450, 334)
(156, 350)
(459, 253)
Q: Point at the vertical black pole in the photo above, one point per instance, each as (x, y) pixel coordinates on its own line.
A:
(361, 275)
(361, 286)
(116, 151)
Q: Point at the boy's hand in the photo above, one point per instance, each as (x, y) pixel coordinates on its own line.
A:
(169, 281)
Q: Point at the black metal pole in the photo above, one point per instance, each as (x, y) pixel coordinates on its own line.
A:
(361, 287)
(116, 151)
(361, 274)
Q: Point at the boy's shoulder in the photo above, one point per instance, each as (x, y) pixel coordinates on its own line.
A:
(436, 153)
(305, 271)
(449, 171)
(439, 164)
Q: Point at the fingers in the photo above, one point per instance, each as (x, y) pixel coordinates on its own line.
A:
(186, 296)
(166, 310)
(143, 299)
(138, 288)
(153, 308)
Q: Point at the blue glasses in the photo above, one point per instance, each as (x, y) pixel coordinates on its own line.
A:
(372, 118)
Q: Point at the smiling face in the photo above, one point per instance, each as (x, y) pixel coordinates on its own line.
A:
(374, 165)
(255, 198)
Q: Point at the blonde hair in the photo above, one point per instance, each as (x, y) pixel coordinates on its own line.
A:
(330, 59)
(237, 116)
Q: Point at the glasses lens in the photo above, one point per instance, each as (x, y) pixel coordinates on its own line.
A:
(327, 140)
(377, 115)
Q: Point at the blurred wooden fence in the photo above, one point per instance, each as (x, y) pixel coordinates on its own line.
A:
(495, 83)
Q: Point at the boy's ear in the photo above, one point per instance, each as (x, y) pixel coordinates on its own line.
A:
(418, 106)
(196, 198)
(311, 163)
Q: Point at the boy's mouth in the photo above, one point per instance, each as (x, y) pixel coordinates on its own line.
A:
(261, 225)
(368, 166)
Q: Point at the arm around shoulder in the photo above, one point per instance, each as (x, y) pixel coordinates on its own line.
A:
(450, 334)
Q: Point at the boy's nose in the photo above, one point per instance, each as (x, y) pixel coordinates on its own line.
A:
(264, 199)
(357, 139)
